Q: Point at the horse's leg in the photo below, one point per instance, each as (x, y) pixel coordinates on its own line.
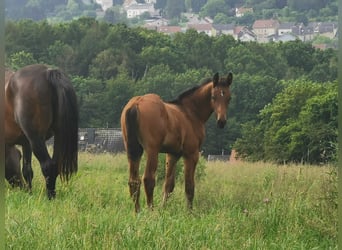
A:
(12, 166)
(27, 164)
(48, 166)
(190, 162)
(134, 181)
(149, 175)
(170, 174)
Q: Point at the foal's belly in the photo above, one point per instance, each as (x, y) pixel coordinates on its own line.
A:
(170, 149)
(12, 131)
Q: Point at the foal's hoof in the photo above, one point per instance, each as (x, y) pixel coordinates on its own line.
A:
(51, 194)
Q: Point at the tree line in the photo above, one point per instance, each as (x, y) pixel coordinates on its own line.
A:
(108, 64)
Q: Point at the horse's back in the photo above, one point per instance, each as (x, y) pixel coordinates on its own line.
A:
(28, 98)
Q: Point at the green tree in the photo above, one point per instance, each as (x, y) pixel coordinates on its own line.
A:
(20, 59)
(119, 90)
(174, 8)
(193, 48)
(106, 64)
(60, 55)
(300, 125)
(91, 98)
(159, 79)
(213, 7)
(298, 55)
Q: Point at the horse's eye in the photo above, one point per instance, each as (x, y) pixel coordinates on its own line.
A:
(213, 97)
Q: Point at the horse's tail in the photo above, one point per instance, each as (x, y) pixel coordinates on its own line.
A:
(65, 151)
(134, 149)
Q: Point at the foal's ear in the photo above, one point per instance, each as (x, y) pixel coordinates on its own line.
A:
(216, 79)
(229, 78)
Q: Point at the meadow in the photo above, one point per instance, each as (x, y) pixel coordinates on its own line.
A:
(237, 206)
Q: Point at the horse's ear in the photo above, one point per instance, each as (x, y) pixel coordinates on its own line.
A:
(229, 78)
(216, 79)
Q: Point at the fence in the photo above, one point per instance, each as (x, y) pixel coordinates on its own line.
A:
(97, 140)
(218, 158)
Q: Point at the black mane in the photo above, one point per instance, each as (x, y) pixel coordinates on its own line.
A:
(189, 92)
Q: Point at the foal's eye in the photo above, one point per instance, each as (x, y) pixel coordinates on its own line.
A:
(213, 97)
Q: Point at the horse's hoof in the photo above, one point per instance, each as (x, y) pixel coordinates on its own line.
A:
(51, 194)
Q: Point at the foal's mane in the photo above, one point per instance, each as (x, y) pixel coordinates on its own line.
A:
(189, 92)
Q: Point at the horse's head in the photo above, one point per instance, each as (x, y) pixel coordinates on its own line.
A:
(220, 97)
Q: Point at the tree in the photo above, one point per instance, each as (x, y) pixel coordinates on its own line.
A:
(300, 125)
(193, 48)
(20, 59)
(159, 79)
(119, 90)
(60, 55)
(91, 100)
(106, 64)
(298, 55)
(221, 18)
(174, 8)
(213, 7)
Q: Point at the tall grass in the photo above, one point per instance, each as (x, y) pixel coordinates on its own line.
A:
(236, 206)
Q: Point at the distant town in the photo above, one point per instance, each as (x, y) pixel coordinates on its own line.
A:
(263, 30)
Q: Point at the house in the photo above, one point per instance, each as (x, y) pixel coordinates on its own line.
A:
(327, 29)
(207, 28)
(320, 46)
(285, 37)
(285, 28)
(156, 22)
(239, 12)
(195, 18)
(265, 28)
(169, 29)
(246, 35)
(137, 9)
(105, 4)
(304, 33)
(223, 29)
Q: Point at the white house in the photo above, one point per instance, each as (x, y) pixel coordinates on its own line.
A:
(136, 9)
(105, 4)
(285, 28)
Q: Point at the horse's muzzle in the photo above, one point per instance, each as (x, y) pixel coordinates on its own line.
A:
(221, 123)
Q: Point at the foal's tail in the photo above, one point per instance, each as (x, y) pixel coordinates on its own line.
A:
(65, 151)
(134, 149)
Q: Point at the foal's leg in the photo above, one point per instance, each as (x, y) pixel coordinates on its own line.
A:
(134, 181)
(27, 164)
(149, 175)
(170, 174)
(190, 163)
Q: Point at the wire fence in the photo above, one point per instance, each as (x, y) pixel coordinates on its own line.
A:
(99, 140)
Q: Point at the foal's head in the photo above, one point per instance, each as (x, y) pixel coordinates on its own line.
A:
(220, 97)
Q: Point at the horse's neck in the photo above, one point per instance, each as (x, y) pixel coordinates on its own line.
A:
(198, 104)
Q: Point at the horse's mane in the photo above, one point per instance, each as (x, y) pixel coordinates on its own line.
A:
(189, 92)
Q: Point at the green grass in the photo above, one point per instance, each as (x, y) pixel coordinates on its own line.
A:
(236, 206)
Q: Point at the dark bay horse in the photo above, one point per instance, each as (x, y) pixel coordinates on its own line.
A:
(12, 166)
(176, 128)
(40, 102)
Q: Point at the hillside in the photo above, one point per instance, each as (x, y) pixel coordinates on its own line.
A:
(221, 11)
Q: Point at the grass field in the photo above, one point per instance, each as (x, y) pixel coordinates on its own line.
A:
(236, 206)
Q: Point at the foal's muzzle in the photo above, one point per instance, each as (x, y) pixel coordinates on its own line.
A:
(221, 123)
